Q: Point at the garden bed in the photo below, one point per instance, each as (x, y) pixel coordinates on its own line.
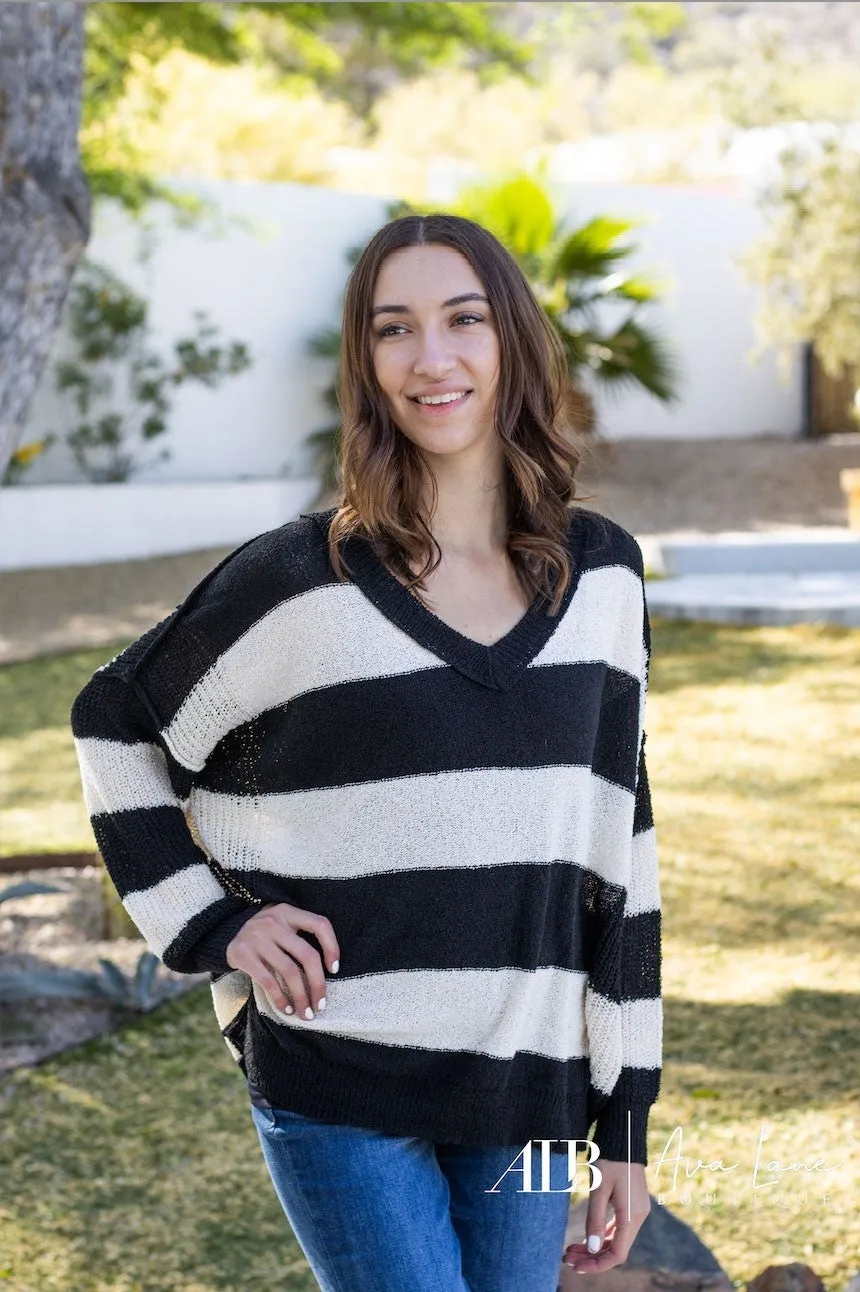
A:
(67, 929)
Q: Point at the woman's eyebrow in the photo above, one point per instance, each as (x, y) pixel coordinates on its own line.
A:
(404, 309)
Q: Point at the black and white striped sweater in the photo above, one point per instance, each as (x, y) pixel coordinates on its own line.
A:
(474, 820)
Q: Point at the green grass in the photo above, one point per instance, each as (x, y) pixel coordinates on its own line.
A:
(132, 1163)
(41, 806)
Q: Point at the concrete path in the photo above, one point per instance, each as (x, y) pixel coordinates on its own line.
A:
(45, 612)
(759, 598)
(797, 576)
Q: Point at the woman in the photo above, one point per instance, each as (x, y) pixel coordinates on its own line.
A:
(382, 775)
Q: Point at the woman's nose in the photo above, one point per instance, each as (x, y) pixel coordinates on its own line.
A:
(434, 357)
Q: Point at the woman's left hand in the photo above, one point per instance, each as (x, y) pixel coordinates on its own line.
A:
(631, 1206)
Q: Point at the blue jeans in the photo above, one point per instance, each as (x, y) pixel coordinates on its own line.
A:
(379, 1213)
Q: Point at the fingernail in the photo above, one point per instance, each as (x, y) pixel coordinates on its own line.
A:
(288, 1009)
(594, 1242)
(321, 1004)
(335, 966)
(309, 1013)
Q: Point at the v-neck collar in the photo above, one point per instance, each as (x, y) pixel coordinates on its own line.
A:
(496, 666)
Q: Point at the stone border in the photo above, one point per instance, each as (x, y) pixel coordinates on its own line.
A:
(47, 861)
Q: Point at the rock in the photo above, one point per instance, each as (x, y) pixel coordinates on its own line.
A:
(666, 1254)
(786, 1278)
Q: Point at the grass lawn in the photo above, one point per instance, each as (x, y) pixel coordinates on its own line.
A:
(41, 805)
(132, 1163)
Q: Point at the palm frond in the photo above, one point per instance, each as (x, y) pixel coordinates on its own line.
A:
(517, 210)
(325, 343)
(591, 250)
(639, 358)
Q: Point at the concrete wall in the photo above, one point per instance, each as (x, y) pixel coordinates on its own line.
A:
(54, 525)
(274, 286)
(690, 239)
(271, 287)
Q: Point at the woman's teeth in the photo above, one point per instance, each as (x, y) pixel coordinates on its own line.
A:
(441, 399)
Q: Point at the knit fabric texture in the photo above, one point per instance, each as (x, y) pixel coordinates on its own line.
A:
(475, 821)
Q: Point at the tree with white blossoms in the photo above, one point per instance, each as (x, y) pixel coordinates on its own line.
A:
(808, 261)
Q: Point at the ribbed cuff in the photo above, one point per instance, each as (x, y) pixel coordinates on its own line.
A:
(210, 951)
(614, 1136)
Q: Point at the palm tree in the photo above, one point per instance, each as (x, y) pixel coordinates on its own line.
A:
(572, 273)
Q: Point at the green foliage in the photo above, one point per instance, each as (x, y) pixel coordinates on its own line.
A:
(139, 992)
(639, 29)
(23, 458)
(109, 325)
(572, 272)
(347, 50)
(807, 261)
(28, 888)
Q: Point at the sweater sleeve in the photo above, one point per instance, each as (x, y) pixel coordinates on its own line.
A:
(638, 1084)
(132, 789)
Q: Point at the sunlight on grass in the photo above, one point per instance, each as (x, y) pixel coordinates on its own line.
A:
(41, 805)
(754, 759)
(131, 1163)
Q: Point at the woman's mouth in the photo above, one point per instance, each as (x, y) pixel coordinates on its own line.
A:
(439, 410)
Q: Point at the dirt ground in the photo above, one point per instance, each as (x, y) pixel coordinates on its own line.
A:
(651, 487)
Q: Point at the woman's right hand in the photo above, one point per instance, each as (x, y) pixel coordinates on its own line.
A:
(269, 949)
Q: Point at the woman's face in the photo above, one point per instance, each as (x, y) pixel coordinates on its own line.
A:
(427, 340)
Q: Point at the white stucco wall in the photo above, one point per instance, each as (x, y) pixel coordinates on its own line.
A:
(690, 239)
(273, 291)
(46, 526)
(270, 289)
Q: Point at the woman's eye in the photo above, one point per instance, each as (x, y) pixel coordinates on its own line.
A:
(386, 331)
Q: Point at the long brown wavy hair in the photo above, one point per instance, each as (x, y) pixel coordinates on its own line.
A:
(383, 474)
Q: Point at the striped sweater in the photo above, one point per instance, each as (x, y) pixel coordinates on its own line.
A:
(475, 821)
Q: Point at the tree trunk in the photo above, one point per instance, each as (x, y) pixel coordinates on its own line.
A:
(44, 195)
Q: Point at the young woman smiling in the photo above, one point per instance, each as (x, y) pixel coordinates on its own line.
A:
(401, 743)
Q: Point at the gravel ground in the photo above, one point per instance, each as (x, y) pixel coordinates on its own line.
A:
(706, 486)
(651, 487)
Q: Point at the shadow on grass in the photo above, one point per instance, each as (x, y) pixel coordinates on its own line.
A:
(799, 1053)
(701, 654)
(132, 1161)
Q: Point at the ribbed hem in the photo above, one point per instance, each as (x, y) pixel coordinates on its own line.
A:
(210, 952)
(444, 1111)
(614, 1137)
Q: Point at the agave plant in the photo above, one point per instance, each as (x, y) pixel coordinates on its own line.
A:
(573, 272)
(140, 991)
(27, 888)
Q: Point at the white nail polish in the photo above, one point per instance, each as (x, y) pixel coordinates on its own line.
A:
(289, 1010)
(321, 1005)
(595, 1242)
(335, 966)
(309, 1013)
